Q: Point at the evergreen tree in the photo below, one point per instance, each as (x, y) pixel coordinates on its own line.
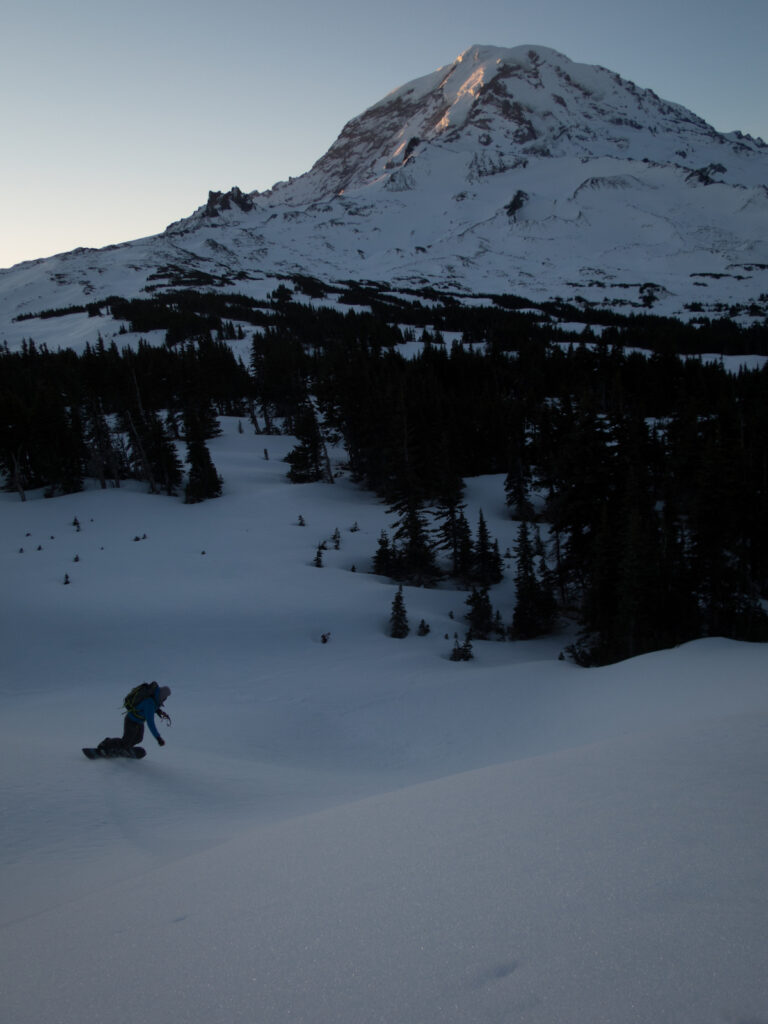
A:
(309, 459)
(534, 605)
(14, 443)
(480, 615)
(456, 653)
(455, 537)
(279, 369)
(465, 550)
(462, 651)
(385, 558)
(152, 453)
(203, 481)
(167, 469)
(416, 561)
(517, 489)
(57, 446)
(546, 591)
(488, 565)
(106, 457)
(398, 620)
(524, 619)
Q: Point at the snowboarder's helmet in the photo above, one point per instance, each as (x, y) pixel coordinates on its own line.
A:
(162, 694)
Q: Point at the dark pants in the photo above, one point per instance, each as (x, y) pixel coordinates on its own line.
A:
(133, 733)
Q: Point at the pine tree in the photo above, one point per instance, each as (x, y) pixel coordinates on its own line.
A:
(398, 620)
(517, 489)
(416, 562)
(14, 442)
(480, 615)
(161, 451)
(385, 558)
(547, 604)
(56, 449)
(309, 459)
(152, 453)
(106, 457)
(203, 482)
(465, 550)
(488, 564)
(525, 623)
(462, 651)
(456, 538)
(534, 612)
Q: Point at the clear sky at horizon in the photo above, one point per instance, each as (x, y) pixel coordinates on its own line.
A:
(117, 119)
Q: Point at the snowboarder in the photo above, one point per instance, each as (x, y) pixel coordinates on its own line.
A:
(142, 704)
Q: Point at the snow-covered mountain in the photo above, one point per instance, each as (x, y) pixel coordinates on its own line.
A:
(506, 171)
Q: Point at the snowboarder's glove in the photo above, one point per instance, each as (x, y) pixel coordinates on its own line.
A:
(161, 741)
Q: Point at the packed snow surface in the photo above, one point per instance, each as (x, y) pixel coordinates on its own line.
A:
(359, 830)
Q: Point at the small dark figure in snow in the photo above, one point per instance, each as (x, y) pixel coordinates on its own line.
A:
(139, 713)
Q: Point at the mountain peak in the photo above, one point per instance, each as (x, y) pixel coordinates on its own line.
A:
(507, 170)
(527, 57)
(502, 107)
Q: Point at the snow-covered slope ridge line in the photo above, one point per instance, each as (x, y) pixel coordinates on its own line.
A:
(506, 171)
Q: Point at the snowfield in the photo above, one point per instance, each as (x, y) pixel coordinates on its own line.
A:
(360, 830)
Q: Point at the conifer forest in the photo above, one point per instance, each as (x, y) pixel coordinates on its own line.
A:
(636, 470)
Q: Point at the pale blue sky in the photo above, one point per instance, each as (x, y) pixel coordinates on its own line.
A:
(117, 119)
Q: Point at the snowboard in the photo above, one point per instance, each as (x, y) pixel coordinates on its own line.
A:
(134, 752)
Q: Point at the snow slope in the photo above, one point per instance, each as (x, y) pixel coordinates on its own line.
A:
(359, 830)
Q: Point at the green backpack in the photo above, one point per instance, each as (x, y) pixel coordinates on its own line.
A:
(136, 696)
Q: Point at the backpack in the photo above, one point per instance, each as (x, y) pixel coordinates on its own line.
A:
(136, 696)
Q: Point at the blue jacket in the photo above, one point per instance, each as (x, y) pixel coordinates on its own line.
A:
(145, 712)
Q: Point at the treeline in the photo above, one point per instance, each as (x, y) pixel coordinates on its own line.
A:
(116, 415)
(188, 313)
(640, 484)
(651, 473)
